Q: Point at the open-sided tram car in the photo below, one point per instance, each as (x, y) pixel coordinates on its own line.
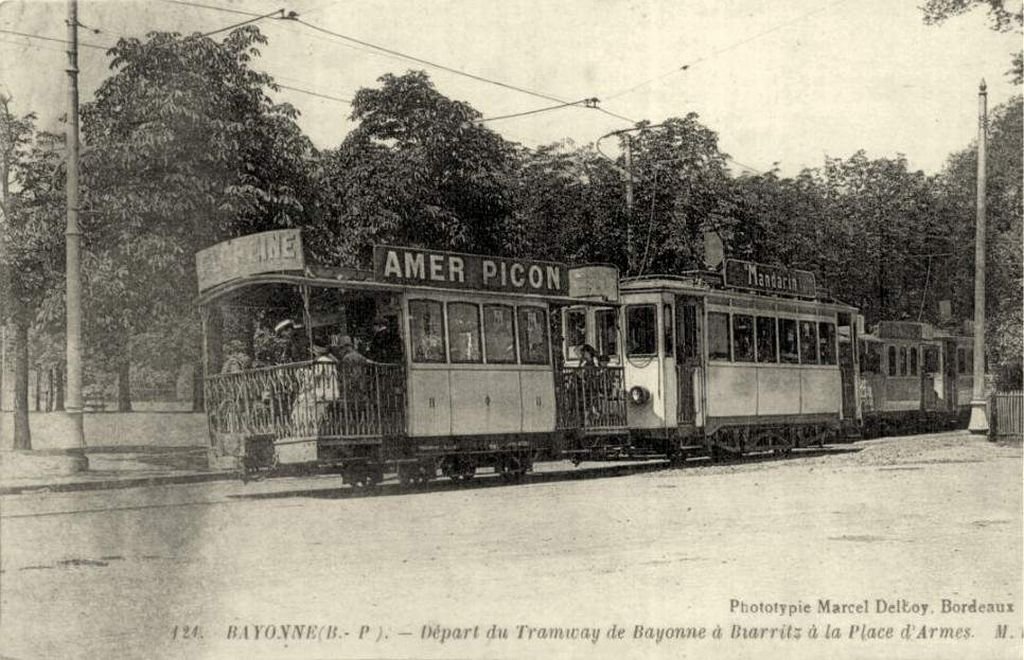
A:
(751, 359)
(473, 380)
(915, 378)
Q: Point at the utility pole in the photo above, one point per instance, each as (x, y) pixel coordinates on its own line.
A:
(630, 250)
(74, 439)
(979, 416)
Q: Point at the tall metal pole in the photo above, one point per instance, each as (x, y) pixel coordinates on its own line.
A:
(979, 417)
(73, 405)
(630, 249)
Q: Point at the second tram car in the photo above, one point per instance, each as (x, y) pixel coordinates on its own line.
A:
(751, 359)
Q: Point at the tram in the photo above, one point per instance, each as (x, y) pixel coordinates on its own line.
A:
(751, 359)
(433, 362)
(915, 377)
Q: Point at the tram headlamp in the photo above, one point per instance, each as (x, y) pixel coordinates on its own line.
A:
(639, 395)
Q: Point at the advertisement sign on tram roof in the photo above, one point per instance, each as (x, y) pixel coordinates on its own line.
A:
(266, 252)
(769, 279)
(451, 270)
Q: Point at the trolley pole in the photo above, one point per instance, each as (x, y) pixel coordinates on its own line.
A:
(74, 439)
(630, 251)
(979, 416)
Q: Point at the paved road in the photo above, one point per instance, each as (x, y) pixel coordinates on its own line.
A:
(648, 560)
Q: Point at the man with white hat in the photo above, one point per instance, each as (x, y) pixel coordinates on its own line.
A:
(289, 342)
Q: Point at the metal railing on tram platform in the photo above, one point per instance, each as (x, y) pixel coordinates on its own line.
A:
(591, 398)
(309, 400)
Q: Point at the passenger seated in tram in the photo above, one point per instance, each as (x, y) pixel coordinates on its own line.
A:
(236, 360)
(345, 352)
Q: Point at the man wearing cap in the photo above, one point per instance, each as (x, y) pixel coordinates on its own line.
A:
(346, 352)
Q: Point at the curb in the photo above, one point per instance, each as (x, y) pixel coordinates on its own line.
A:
(111, 484)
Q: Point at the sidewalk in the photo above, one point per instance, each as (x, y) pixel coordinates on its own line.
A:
(123, 467)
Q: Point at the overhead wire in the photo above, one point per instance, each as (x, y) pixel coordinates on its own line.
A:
(317, 94)
(719, 51)
(587, 103)
(434, 65)
(29, 35)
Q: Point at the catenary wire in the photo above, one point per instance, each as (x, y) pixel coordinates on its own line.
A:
(724, 49)
(435, 65)
(536, 111)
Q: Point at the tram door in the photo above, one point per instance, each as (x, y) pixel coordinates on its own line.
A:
(688, 359)
(847, 367)
(950, 364)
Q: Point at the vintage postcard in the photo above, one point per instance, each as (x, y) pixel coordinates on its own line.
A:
(453, 329)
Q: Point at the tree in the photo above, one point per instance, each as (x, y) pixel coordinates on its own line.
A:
(31, 240)
(1003, 20)
(569, 206)
(419, 169)
(183, 149)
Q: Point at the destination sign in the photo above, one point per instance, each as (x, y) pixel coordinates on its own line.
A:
(266, 252)
(900, 330)
(769, 279)
(435, 268)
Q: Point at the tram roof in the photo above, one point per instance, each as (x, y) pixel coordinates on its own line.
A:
(363, 281)
(704, 283)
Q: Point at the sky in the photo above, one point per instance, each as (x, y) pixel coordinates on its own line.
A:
(782, 83)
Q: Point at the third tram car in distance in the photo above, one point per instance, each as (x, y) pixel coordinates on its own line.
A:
(751, 359)
(458, 371)
(914, 377)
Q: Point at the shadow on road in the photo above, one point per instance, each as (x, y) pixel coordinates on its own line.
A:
(491, 480)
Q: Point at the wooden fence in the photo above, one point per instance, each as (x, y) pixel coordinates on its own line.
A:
(1007, 415)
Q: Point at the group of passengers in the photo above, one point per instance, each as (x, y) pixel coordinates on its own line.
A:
(290, 345)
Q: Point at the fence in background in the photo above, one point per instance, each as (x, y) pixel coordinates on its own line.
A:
(1007, 415)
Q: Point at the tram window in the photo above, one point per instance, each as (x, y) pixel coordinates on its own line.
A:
(827, 342)
(742, 338)
(607, 332)
(808, 343)
(787, 341)
(931, 359)
(575, 331)
(913, 360)
(641, 330)
(464, 332)
(718, 336)
(499, 334)
(669, 322)
(961, 361)
(766, 339)
(426, 322)
(533, 335)
(903, 360)
(892, 360)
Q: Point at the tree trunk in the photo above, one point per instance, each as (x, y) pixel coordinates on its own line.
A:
(197, 388)
(59, 388)
(124, 393)
(38, 388)
(22, 434)
(49, 388)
